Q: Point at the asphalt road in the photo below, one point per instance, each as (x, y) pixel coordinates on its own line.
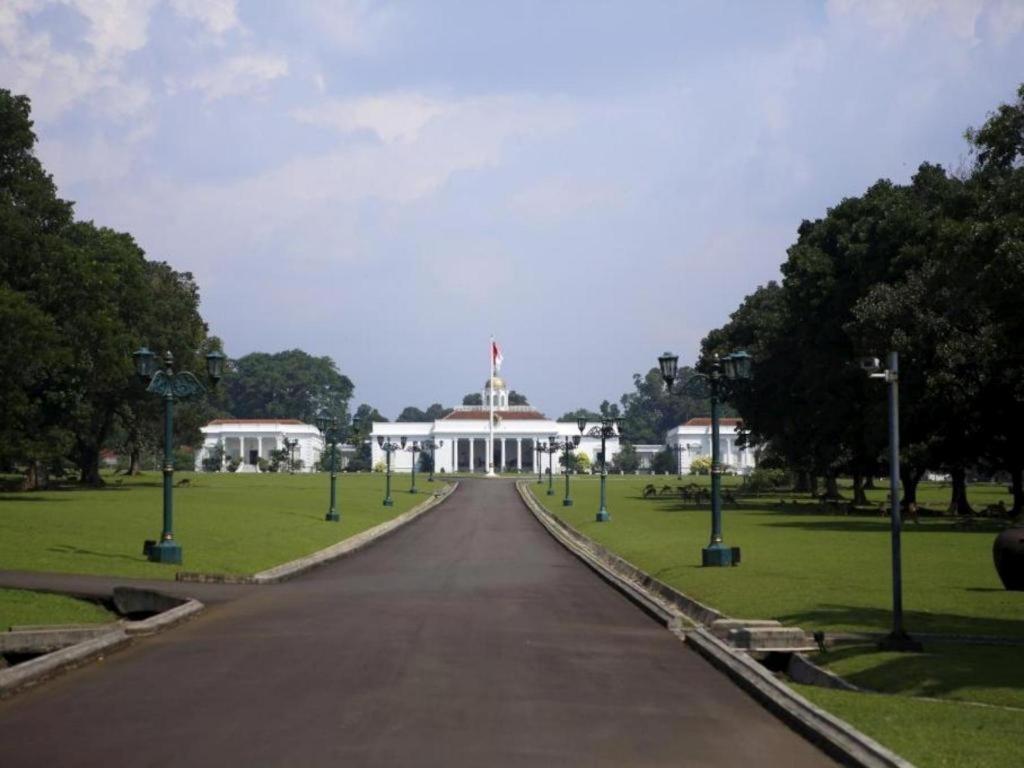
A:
(468, 638)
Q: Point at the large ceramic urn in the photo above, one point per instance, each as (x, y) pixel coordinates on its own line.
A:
(1008, 553)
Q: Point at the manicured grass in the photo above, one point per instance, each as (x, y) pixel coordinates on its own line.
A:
(804, 568)
(832, 572)
(991, 674)
(20, 607)
(931, 734)
(225, 523)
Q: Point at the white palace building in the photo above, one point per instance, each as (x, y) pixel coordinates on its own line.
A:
(461, 438)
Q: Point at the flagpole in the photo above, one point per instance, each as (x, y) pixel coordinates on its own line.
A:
(490, 417)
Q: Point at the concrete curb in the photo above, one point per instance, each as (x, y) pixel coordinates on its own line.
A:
(163, 620)
(352, 543)
(44, 667)
(834, 736)
(51, 664)
(321, 557)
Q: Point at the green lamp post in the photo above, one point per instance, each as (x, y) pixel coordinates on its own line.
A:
(432, 445)
(415, 450)
(171, 385)
(389, 447)
(552, 449)
(608, 427)
(328, 425)
(290, 445)
(567, 446)
(733, 367)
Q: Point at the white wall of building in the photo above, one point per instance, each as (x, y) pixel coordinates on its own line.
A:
(240, 437)
(693, 440)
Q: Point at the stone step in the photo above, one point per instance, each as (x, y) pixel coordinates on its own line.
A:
(768, 638)
(722, 627)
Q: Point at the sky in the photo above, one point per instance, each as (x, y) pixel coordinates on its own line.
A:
(391, 183)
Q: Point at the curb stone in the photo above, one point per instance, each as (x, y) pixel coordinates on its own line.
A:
(50, 665)
(321, 557)
(833, 735)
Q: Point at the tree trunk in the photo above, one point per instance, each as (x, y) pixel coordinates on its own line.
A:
(869, 483)
(831, 486)
(89, 467)
(1017, 484)
(135, 461)
(802, 482)
(958, 503)
(37, 478)
(860, 499)
(813, 485)
(909, 478)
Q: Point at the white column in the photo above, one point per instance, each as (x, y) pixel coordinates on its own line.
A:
(519, 454)
(471, 441)
(501, 458)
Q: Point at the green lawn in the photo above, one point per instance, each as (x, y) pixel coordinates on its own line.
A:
(832, 572)
(812, 570)
(931, 734)
(225, 523)
(991, 674)
(19, 607)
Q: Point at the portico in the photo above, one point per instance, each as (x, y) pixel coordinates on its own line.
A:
(463, 435)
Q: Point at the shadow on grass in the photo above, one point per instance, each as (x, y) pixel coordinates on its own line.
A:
(940, 671)
(26, 496)
(66, 549)
(881, 524)
(880, 620)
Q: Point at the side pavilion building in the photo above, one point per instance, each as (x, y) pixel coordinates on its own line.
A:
(693, 439)
(249, 440)
(461, 438)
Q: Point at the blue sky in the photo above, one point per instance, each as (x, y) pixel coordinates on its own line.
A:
(391, 183)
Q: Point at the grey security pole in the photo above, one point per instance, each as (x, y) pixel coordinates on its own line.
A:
(898, 639)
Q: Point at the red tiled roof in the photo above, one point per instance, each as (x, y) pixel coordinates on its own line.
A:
(254, 421)
(705, 421)
(504, 415)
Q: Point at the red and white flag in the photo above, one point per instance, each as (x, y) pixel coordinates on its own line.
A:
(496, 357)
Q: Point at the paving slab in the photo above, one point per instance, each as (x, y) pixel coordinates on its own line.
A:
(468, 638)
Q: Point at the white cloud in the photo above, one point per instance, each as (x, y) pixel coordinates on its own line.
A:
(393, 118)
(560, 197)
(894, 18)
(218, 16)
(354, 25)
(59, 79)
(234, 76)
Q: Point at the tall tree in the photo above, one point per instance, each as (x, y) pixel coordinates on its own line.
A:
(287, 385)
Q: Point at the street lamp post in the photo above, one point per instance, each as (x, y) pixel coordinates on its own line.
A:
(171, 386)
(897, 639)
(552, 449)
(415, 450)
(290, 445)
(539, 448)
(389, 447)
(734, 367)
(328, 425)
(432, 445)
(608, 428)
(567, 445)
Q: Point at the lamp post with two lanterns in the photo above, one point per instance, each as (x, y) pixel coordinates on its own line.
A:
(171, 385)
(733, 367)
(328, 425)
(389, 447)
(609, 427)
(567, 446)
(432, 445)
(415, 450)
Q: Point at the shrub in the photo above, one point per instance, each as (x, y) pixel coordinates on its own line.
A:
(380, 466)
(762, 480)
(700, 465)
(582, 463)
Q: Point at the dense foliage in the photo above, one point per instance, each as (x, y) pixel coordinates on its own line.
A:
(933, 270)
